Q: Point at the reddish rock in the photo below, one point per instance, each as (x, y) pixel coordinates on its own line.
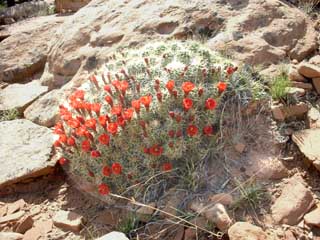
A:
(24, 224)
(294, 201)
(223, 198)
(246, 231)
(309, 70)
(12, 217)
(313, 218)
(63, 6)
(219, 216)
(316, 84)
(303, 85)
(44, 226)
(32, 234)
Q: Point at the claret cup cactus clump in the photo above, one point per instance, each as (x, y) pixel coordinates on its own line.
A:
(143, 116)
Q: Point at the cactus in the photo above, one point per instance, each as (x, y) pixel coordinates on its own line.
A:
(139, 118)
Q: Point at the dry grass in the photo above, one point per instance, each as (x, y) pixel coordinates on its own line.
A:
(308, 6)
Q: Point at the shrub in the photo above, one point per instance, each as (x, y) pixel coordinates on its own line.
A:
(139, 120)
(279, 87)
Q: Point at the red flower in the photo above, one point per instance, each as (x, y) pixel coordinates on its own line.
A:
(116, 84)
(231, 70)
(222, 86)
(71, 141)
(187, 87)
(179, 133)
(128, 113)
(95, 154)
(86, 146)
(146, 100)
(192, 130)
(103, 189)
(200, 92)
(107, 88)
(171, 133)
(103, 120)
(63, 138)
(63, 161)
(210, 104)
(156, 150)
(58, 128)
(178, 118)
(106, 171)
(90, 173)
(124, 86)
(116, 110)
(207, 130)
(109, 100)
(91, 123)
(112, 128)
(171, 145)
(121, 121)
(136, 105)
(81, 131)
(175, 93)
(73, 123)
(57, 144)
(96, 107)
(170, 85)
(87, 106)
(166, 167)
(116, 168)
(171, 113)
(79, 94)
(104, 139)
(187, 104)
(146, 150)
(159, 96)
(80, 119)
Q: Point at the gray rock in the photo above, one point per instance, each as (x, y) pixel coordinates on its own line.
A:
(68, 221)
(25, 151)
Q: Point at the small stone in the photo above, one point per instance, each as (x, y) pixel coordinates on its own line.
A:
(223, 198)
(24, 224)
(313, 218)
(294, 201)
(294, 75)
(114, 236)
(17, 205)
(316, 84)
(315, 60)
(68, 221)
(246, 231)
(44, 226)
(309, 70)
(10, 236)
(313, 118)
(306, 86)
(294, 61)
(240, 147)
(3, 210)
(145, 213)
(277, 112)
(12, 217)
(294, 91)
(281, 112)
(219, 216)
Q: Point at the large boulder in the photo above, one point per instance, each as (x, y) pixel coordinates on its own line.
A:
(25, 51)
(254, 31)
(25, 151)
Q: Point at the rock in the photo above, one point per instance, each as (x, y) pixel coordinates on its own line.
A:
(281, 112)
(68, 221)
(313, 118)
(308, 141)
(10, 236)
(3, 210)
(219, 216)
(306, 86)
(44, 111)
(256, 32)
(173, 200)
(294, 75)
(109, 217)
(44, 226)
(19, 63)
(315, 60)
(145, 213)
(191, 233)
(223, 198)
(246, 231)
(313, 218)
(294, 91)
(32, 234)
(25, 151)
(69, 5)
(19, 96)
(240, 147)
(16, 206)
(24, 224)
(316, 84)
(294, 201)
(12, 217)
(114, 236)
(309, 70)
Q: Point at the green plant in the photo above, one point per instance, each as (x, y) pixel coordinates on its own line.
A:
(8, 115)
(279, 87)
(308, 6)
(138, 118)
(128, 224)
